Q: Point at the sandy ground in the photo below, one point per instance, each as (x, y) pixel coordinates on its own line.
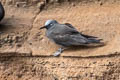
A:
(26, 54)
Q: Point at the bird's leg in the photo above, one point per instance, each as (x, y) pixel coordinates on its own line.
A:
(59, 51)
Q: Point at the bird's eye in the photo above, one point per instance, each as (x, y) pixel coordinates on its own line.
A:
(51, 24)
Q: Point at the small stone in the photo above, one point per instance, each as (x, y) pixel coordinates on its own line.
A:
(101, 3)
(41, 5)
(8, 2)
(21, 4)
(73, 4)
(18, 45)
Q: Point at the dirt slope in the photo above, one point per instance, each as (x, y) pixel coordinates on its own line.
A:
(26, 54)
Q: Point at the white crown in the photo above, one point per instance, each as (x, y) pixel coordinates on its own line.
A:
(48, 22)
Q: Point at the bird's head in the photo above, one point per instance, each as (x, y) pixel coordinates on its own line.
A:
(49, 24)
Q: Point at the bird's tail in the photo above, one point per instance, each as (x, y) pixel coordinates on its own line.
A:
(94, 40)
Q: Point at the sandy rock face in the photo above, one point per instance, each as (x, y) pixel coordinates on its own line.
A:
(99, 21)
(27, 54)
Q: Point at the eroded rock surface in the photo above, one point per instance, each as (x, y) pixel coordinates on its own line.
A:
(26, 54)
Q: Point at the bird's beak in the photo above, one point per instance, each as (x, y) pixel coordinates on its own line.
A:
(43, 27)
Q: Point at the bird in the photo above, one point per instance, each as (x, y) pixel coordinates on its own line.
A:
(66, 35)
(2, 12)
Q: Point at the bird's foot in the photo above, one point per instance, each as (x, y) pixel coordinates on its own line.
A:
(58, 52)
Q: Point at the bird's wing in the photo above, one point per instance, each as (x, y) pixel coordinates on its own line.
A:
(66, 36)
(68, 29)
(73, 40)
(69, 25)
(69, 40)
(88, 36)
